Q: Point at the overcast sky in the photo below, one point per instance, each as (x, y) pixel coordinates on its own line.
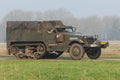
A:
(79, 8)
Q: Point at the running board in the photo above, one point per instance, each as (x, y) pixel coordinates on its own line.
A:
(55, 44)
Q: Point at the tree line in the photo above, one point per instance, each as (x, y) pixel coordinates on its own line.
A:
(107, 27)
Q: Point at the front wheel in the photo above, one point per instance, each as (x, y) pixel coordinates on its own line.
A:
(76, 51)
(94, 53)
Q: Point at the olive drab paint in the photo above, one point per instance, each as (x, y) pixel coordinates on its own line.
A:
(35, 38)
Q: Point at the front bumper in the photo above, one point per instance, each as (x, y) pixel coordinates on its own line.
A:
(102, 44)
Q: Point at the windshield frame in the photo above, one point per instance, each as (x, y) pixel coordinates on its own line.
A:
(73, 29)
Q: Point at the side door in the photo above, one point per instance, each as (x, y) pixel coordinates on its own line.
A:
(55, 37)
(51, 36)
(54, 40)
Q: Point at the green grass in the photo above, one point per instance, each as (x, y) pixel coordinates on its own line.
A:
(59, 70)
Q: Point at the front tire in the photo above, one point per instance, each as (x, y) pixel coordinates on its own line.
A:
(94, 53)
(76, 51)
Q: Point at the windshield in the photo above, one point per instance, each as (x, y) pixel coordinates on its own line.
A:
(66, 29)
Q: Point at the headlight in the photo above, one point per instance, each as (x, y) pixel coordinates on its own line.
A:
(103, 43)
(96, 37)
(85, 37)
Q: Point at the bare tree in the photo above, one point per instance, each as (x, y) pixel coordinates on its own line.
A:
(108, 27)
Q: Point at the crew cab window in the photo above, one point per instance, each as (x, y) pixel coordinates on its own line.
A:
(61, 29)
(64, 29)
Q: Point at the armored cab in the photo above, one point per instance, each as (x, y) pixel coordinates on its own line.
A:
(49, 39)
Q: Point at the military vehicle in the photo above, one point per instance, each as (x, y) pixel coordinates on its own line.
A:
(49, 39)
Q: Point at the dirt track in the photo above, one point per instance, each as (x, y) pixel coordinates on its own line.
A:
(7, 58)
(61, 58)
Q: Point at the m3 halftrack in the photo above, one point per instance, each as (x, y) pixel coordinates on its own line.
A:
(49, 39)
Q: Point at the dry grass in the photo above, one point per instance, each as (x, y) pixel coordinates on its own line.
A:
(2, 46)
(113, 49)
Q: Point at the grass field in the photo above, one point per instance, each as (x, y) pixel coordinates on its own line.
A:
(62, 69)
(59, 70)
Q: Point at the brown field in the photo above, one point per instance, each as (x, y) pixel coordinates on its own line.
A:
(113, 49)
(3, 50)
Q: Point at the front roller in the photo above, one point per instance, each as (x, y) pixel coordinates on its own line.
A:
(94, 53)
(41, 51)
(76, 51)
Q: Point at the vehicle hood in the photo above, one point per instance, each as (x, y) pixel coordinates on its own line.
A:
(78, 34)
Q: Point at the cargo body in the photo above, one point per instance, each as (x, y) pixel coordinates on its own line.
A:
(49, 39)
